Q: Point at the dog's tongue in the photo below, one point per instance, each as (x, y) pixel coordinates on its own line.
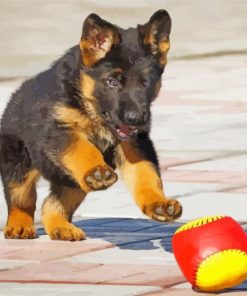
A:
(125, 129)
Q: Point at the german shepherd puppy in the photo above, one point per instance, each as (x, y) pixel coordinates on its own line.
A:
(81, 119)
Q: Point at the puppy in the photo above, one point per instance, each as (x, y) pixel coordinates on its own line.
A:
(75, 123)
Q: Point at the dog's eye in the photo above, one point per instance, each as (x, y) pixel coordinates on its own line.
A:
(146, 82)
(113, 83)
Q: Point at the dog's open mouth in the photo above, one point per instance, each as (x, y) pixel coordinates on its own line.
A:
(125, 132)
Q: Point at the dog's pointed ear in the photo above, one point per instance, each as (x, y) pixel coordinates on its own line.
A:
(155, 35)
(98, 37)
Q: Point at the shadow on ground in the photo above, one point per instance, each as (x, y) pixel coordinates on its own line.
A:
(134, 234)
(127, 233)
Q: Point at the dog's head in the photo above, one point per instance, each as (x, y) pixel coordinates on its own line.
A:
(121, 70)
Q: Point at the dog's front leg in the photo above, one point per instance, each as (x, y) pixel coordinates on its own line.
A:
(138, 164)
(85, 163)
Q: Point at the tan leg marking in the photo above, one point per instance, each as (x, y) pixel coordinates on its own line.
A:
(83, 159)
(146, 185)
(57, 213)
(21, 207)
(20, 224)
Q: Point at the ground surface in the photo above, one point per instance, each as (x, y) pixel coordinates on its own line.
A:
(199, 130)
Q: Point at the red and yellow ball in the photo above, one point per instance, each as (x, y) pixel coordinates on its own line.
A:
(212, 252)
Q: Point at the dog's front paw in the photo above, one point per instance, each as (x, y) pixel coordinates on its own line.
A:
(19, 231)
(167, 210)
(100, 177)
(67, 232)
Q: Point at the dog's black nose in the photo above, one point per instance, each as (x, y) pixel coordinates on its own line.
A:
(135, 118)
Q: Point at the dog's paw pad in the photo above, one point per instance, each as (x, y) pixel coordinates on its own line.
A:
(19, 232)
(164, 211)
(100, 177)
(170, 210)
(67, 233)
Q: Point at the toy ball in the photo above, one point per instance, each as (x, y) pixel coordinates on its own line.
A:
(212, 253)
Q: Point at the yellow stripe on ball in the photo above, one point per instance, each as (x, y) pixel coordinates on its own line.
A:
(198, 222)
(222, 270)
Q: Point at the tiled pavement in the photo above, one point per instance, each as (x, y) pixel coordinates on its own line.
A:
(199, 127)
(122, 255)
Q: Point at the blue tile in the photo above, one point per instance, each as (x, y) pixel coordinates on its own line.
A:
(40, 231)
(99, 221)
(166, 229)
(133, 236)
(136, 222)
(242, 287)
(120, 240)
(128, 233)
(127, 225)
(113, 229)
(142, 245)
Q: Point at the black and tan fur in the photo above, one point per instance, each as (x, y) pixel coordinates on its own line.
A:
(65, 125)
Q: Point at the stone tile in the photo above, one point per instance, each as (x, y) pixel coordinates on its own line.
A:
(119, 223)
(135, 224)
(42, 289)
(179, 189)
(185, 285)
(27, 292)
(103, 222)
(234, 108)
(88, 273)
(182, 108)
(214, 203)
(4, 209)
(242, 287)
(135, 240)
(155, 256)
(146, 275)
(176, 183)
(194, 81)
(185, 289)
(38, 250)
(10, 264)
(166, 162)
(236, 163)
(164, 277)
(188, 292)
(134, 234)
(205, 176)
(6, 89)
(172, 175)
(105, 204)
(242, 190)
(244, 225)
(221, 177)
(48, 272)
(173, 132)
(240, 179)
(116, 201)
(99, 290)
(190, 134)
(193, 155)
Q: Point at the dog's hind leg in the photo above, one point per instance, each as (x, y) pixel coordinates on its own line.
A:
(19, 180)
(57, 212)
